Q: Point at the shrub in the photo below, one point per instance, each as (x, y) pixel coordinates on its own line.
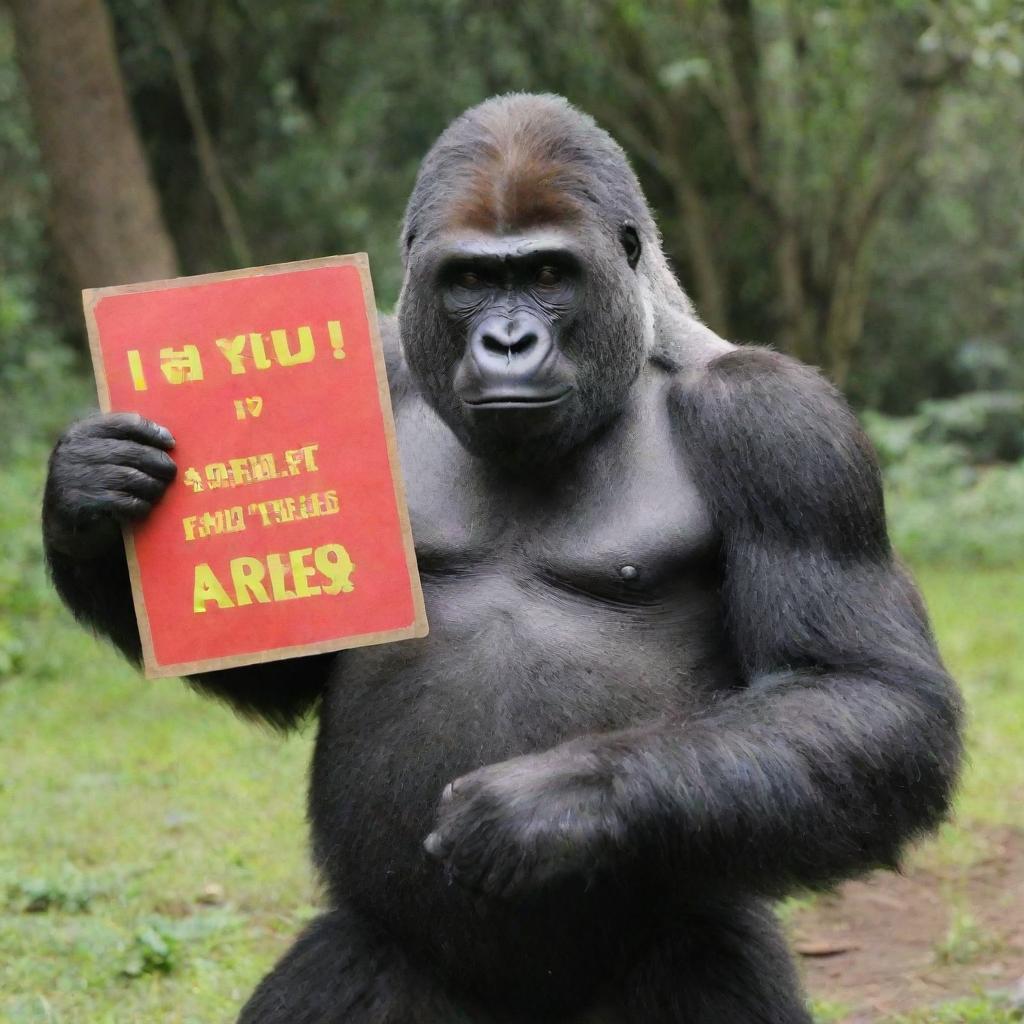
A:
(944, 503)
(988, 424)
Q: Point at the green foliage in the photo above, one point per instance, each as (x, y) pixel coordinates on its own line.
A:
(980, 524)
(153, 949)
(947, 501)
(979, 1010)
(965, 941)
(946, 309)
(41, 380)
(972, 430)
(22, 183)
(69, 892)
(827, 1012)
(25, 594)
(161, 944)
(988, 425)
(320, 112)
(42, 387)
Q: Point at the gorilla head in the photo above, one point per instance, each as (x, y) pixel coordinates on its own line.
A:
(533, 272)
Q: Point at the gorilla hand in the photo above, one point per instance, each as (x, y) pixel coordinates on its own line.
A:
(509, 828)
(104, 471)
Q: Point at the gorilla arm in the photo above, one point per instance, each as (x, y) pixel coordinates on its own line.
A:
(844, 740)
(840, 742)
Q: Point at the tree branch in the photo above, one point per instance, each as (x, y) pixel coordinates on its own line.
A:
(637, 73)
(206, 151)
(732, 44)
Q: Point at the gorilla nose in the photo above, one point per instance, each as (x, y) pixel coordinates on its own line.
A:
(516, 344)
(512, 341)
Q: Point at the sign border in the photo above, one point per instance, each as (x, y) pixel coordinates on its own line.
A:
(418, 627)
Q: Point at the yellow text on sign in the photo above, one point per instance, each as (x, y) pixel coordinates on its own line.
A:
(310, 571)
(243, 352)
(252, 469)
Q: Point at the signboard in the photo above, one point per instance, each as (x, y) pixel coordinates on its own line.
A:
(285, 531)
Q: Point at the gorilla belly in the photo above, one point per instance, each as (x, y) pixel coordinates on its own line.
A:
(510, 667)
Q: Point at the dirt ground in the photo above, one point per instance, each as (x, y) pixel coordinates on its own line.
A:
(894, 943)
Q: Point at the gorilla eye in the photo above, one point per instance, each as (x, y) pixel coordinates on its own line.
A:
(548, 277)
(467, 279)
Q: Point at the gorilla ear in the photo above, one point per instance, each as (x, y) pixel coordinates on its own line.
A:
(630, 244)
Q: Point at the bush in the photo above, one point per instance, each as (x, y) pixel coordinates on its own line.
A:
(983, 426)
(989, 424)
(944, 504)
(42, 388)
(42, 383)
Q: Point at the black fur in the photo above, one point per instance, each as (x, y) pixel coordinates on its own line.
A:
(674, 668)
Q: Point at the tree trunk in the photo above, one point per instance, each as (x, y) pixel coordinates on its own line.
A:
(709, 289)
(105, 211)
(797, 334)
(206, 151)
(844, 319)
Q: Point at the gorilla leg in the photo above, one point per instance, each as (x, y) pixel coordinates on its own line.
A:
(339, 973)
(730, 968)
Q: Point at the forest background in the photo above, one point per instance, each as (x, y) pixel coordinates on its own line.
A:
(842, 180)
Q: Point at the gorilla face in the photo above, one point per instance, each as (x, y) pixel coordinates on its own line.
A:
(523, 314)
(514, 299)
(526, 342)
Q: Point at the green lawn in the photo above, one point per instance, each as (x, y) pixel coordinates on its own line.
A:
(153, 859)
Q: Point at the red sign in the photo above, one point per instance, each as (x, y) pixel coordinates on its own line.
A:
(285, 531)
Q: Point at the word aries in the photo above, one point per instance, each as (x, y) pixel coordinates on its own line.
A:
(301, 566)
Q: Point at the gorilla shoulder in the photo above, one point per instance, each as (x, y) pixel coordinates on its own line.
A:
(779, 449)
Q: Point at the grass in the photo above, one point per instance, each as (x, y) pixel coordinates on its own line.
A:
(965, 941)
(963, 1011)
(153, 860)
(126, 804)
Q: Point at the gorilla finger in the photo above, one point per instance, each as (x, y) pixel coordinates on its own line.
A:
(130, 481)
(130, 426)
(144, 457)
(443, 837)
(126, 508)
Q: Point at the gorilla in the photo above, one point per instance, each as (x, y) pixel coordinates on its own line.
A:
(674, 670)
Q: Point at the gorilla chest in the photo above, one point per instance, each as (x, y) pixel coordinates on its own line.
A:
(620, 530)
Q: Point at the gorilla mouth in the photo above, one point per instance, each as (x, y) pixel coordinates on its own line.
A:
(516, 401)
